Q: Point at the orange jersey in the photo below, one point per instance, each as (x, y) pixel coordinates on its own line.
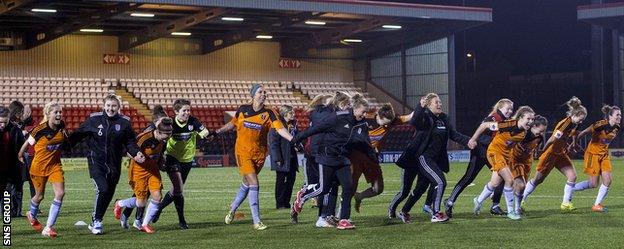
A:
(47, 144)
(523, 151)
(563, 131)
(252, 129)
(602, 135)
(507, 135)
(377, 132)
(153, 150)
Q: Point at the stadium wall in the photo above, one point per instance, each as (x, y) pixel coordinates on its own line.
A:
(82, 56)
(425, 69)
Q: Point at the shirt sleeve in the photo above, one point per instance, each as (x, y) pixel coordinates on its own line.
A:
(234, 120)
(200, 128)
(275, 121)
(493, 126)
(506, 125)
(561, 128)
(31, 140)
(81, 133)
(598, 126)
(131, 141)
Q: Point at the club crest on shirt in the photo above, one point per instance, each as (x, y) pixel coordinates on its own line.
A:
(440, 125)
(263, 116)
(190, 127)
(117, 127)
(359, 130)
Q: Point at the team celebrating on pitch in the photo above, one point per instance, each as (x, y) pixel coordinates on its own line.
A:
(342, 143)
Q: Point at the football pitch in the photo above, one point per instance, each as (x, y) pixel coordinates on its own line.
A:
(209, 192)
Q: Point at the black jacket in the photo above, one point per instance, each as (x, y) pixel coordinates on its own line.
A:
(282, 150)
(107, 137)
(341, 133)
(320, 112)
(16, 140)
(424, 122)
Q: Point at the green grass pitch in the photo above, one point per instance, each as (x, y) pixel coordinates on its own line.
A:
(209, 192)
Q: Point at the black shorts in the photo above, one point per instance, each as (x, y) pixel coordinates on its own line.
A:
(173, 165)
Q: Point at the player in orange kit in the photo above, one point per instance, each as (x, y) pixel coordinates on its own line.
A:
(499, 154)
(597, 159)
(47, 138)
(522, 158)
(361, 163)
(556, 154)
(252, 122)
(144, 178)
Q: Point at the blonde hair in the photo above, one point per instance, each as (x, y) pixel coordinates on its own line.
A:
(285, 109)
(608, 110)
(499, 104)
(429, 97)
(575, 108)
(340, 98)
(318, 100)
(47, 109)
(358, 100)
(523, 110)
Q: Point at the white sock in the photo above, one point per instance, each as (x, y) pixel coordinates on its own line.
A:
(487, 191)
(517, 201)
(509, 198)
(528, 190)
(581, 186)
(152, 208)
(568, 189)
(55, 208)
(602, 193)
(128, 203)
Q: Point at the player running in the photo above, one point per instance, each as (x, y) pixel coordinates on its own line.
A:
(501, 111)
(597, 159)
(556, 154)
(144, 178)
(499, 153)
(108, 135)
(179, 157)
(361, 164)
(47, 138)
(522, 158)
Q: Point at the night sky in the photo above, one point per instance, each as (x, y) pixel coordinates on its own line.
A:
(527, 36)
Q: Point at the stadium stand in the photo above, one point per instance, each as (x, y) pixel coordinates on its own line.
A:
(211, 99)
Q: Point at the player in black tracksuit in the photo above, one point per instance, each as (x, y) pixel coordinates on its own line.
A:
(427, 153)
(502, 111)
(326, 203)
(342, 132)
(108, 133)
